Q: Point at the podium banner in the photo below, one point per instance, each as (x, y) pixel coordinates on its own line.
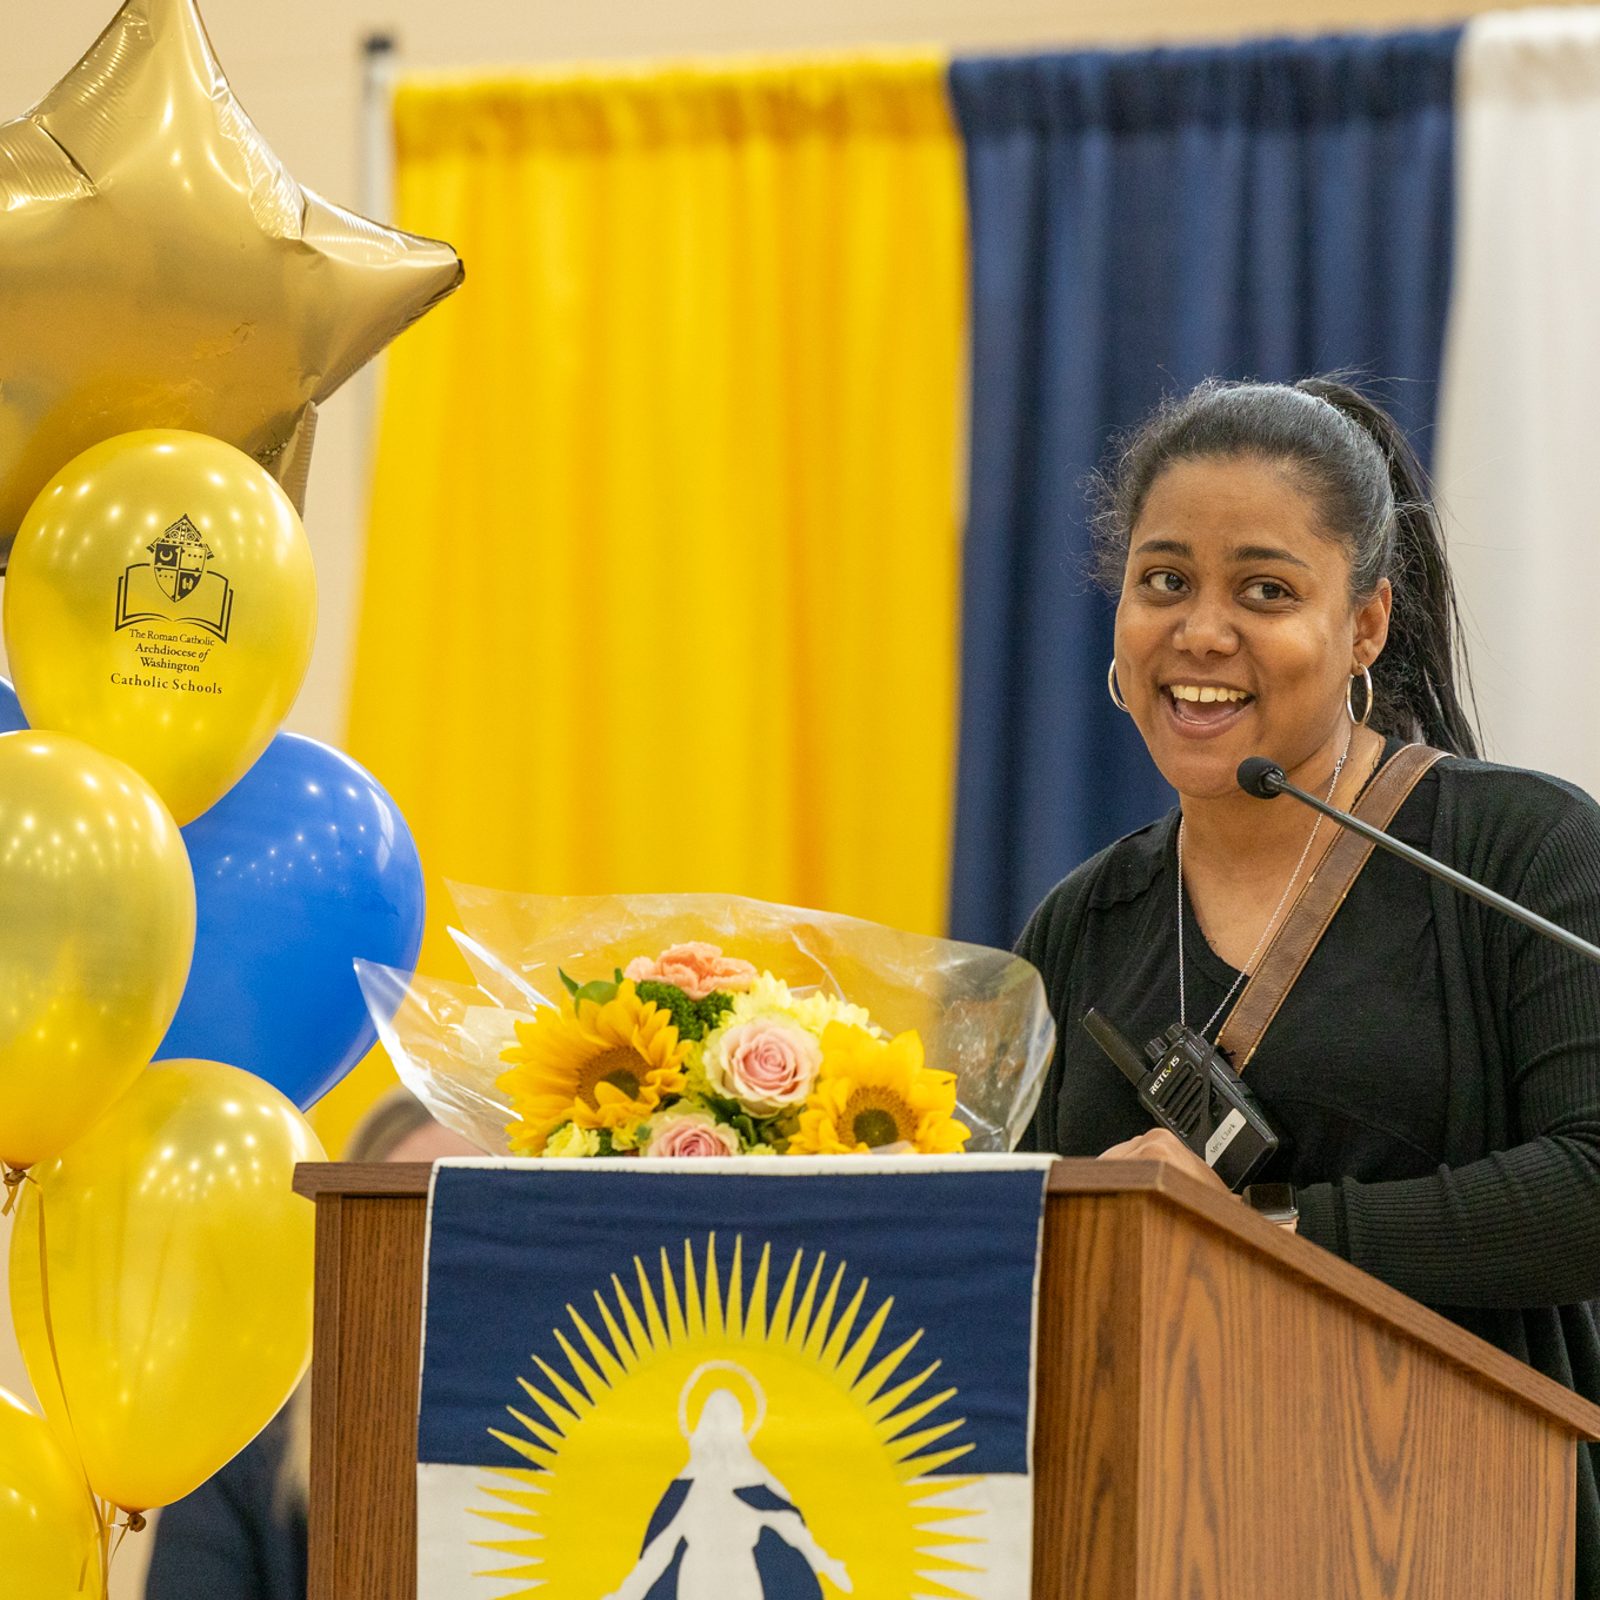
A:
(763, 1378)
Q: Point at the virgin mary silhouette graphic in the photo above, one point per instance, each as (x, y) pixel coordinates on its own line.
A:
(726, 1528)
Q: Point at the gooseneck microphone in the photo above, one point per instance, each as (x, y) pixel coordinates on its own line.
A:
(1265, 780)
(1190, 1088)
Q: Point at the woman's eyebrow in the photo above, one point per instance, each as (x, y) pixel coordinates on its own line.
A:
(1267, 552)
(1242, 552)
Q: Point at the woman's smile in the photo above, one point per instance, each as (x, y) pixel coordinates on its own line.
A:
(1204, 710)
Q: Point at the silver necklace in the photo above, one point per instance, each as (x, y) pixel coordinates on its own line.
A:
(1183, 1004)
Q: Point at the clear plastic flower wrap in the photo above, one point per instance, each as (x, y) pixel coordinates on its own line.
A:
(979, 1014)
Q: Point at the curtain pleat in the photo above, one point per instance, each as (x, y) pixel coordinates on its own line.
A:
(1521, 409)
(663, 557)
(1142, 220)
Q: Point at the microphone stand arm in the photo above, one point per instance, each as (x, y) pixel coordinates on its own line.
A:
(1457, 880)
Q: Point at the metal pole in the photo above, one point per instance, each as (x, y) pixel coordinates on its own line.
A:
(379, 66)
(379, 61)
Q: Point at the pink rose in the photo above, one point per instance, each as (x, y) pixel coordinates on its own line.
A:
(765, 1064)
(697, 969)
(689, 1133)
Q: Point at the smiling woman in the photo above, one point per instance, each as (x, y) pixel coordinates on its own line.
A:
(1236, 631)
(1282, 590)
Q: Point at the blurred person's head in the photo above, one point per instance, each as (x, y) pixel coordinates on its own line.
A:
(399, 1127)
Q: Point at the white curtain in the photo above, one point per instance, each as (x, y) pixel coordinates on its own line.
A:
(1518, 458)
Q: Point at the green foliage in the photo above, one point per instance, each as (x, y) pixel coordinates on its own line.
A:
(693, 1019)
(752, 1130)
(600, 990)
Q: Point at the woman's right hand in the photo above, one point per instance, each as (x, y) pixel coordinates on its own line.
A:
(1160, 1145)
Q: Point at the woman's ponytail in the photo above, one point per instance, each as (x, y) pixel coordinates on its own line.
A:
(1415, 681)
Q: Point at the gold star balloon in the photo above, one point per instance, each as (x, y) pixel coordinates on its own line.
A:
(159, 268)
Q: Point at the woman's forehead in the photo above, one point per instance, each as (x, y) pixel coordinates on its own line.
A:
(1233, 508)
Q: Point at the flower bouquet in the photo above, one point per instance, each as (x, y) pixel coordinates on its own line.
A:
(698, 1025)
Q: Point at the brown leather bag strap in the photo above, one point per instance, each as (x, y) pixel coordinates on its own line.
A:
(1316, 904)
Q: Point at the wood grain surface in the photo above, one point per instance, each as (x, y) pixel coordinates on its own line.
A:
(1290, 1447)
(364, 1376)
(1328, 1274)
(1087, 1404)
(1224, 1412)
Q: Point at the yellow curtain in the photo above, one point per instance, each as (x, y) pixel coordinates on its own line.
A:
(662, 572)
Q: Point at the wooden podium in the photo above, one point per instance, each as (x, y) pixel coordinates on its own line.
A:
(1225, 1412)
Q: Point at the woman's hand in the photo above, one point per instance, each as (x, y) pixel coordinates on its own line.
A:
(1160, 1145)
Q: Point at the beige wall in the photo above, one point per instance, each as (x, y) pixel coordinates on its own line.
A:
(295, 64)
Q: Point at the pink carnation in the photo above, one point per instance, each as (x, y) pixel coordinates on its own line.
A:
(765, 1064)
(690, 1133)
(697, 969)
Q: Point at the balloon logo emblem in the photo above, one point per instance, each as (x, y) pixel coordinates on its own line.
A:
(178, 569)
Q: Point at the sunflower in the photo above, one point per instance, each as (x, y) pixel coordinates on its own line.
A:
(602, 1065)
(873, 1094)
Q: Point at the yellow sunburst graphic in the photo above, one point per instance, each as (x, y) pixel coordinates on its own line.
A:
(688, 1417)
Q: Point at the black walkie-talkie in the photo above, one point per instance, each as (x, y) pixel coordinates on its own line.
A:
(1191, 1090)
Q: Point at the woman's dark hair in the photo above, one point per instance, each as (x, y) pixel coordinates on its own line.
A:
(1352, 460)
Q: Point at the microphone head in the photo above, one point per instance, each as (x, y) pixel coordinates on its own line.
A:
(1260, 777)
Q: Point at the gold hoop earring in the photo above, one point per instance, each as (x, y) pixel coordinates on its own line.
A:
(1349, 697)
(1111, 684)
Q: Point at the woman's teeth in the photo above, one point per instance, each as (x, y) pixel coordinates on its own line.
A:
(1204, 693)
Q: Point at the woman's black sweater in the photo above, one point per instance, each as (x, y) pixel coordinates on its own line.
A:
(1436, 1069)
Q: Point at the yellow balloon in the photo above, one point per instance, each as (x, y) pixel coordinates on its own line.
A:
(161, 604)
(97, 916)
(178, 1263)
(48, 1526)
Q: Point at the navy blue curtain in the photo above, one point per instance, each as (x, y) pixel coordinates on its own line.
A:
(1141, 221)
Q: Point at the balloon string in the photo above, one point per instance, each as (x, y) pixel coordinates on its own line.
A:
(13, 1178)
(102, 1517)
(105, 1518)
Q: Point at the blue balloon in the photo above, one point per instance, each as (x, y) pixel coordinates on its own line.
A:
(303, 866)
(11, 717)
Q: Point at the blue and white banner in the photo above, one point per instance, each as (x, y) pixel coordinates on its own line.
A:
(735, 1380)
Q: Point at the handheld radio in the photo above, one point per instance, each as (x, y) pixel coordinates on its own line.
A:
(1190, 1088)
